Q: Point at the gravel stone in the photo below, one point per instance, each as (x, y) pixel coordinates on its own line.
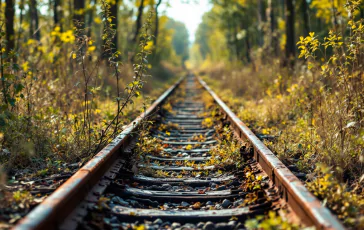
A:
(238, 202)
(232, 223)
(175, 225)
(200, 225)
(226, 203)
(135, 203)
(188, 226)
(185, 204)
(158, 221)
(209, 226)
(240, 226)
(209, 203)
(166, 224)
(166, 186)
(223, 226)
(114, 220)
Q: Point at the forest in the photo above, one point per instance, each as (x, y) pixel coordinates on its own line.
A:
(74, 73)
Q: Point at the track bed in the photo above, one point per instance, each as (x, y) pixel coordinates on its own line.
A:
(170, 176)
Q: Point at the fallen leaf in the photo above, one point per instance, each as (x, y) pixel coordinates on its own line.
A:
(196, 205)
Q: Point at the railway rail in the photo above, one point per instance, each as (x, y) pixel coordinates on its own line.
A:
(114, 191)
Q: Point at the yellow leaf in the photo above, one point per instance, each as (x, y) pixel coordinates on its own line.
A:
(97, 20)
(140, 227)
(74, 55)
(91, 48)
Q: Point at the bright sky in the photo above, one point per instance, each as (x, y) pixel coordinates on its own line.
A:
(188, 13)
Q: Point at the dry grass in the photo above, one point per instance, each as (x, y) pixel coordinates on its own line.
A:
(309, 116)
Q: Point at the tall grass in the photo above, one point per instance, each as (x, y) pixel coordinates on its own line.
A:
(61, 101)
(311, 116)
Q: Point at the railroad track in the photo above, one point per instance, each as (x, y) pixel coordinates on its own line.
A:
(179, 179)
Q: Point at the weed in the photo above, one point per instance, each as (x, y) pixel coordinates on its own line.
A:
(271, 221)
(227, 153)
(348, 206)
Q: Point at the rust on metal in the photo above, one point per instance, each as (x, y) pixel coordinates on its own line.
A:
(53, 210)
(302, 202)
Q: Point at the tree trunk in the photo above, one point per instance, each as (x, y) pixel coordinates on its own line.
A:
(271, 18)
(57, 13)
(20, 29)
(139, 21)
(334, 12)
(9, 17)
(290, 32)
(90, 18)
(236, 41)
(249, 59)
(156, 29)
(34, 20)
(305, 16)
(79, 12)
(260, 22)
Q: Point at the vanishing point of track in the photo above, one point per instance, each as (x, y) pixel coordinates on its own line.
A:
(186, 199)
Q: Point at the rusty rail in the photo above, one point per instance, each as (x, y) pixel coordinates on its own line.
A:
(304, 203)
(53, 210)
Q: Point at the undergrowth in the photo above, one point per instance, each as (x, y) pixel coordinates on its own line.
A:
(311, 114)
(44, 114)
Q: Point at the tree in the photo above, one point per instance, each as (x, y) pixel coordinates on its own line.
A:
(271, 18)
(156, 29)
(180, 36)
(138, 21)
(260, 16)
(114, 15)
(305, 17)
(21, 17)
(91, 13)
(9, 17)
(79, 11)
(34, 20)
(290, 47)
(57, 13)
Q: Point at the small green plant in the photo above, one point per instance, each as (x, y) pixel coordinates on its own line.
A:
(272, 221)
(23, 198)
(226, 153)
(253, 182)
(42, 172)
(348, 206)
(147, 144)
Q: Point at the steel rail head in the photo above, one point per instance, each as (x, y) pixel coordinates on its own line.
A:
(308, 208)
(54, 209)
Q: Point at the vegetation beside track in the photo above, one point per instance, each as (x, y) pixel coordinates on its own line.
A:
(69, 88)
(310, 116)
